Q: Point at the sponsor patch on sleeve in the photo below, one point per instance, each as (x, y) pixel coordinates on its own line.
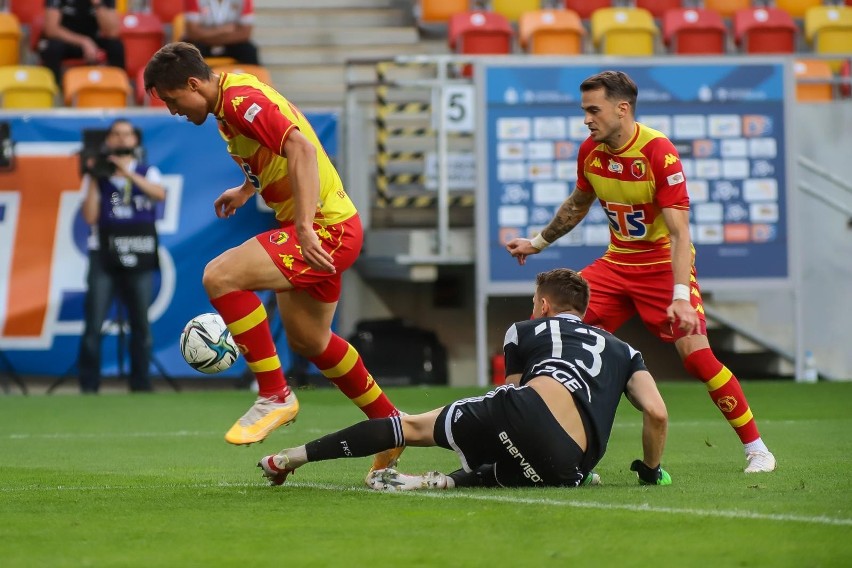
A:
(252, 112)
(673, 179)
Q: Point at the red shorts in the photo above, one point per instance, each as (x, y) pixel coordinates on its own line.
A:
(342, 241)
(619, 291)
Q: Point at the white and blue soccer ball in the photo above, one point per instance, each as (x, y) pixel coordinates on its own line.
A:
(207, 344)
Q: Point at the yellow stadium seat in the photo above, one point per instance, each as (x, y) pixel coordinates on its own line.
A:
(624, 31)
(813, 80)
(178, 27)
(27, 86)
(551, 32)
(96, 87)
(259, 71)
(797, 8)
(10, 39)
(216, 61)
(513, 9)
(829, 29)
(727, 8)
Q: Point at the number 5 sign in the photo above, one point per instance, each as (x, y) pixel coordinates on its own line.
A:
(458, 108)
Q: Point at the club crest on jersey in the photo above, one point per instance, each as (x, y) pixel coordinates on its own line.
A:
(279, 237)
(638, 168)
(236, 102)
(615, 167)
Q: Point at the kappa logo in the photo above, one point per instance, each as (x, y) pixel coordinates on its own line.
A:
(596, 163)
(236, 102)
(670, 159)
(615, 167)
(457, 415)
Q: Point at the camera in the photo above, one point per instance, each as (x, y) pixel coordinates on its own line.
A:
(98, 164)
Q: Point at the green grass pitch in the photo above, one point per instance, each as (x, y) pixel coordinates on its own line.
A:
(118, 480)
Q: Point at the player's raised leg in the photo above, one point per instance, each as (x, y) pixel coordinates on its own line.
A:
(308, 324)
(229, 280)
(727, 394)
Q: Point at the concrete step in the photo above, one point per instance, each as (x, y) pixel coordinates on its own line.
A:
(286, 18)
(319, 96)
(342, 36)
(274, 54)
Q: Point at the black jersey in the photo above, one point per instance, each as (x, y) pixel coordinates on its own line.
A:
(591, 363)
(79, 15)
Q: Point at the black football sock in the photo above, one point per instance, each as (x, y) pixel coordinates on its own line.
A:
(363, 439)
(483, 476)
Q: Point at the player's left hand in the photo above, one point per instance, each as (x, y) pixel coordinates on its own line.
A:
(682, 312)
(231, 200)
(313, 253)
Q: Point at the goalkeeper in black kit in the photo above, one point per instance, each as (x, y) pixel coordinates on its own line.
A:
(548, 427)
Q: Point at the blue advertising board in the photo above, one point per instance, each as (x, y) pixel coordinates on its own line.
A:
(43, 247)
(726, 120)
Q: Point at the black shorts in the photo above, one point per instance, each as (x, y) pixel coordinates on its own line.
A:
(512, 428)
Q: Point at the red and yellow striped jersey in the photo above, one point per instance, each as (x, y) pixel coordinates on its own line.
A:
(633, 185)
(255, 120)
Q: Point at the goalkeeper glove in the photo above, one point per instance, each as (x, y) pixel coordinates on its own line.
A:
(650, 475)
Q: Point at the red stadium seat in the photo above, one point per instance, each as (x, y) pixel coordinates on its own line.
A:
(765, 30)
(27, 10)
(584, 8)
(658, 7)
(166, 10)
(694, 31)
(142, 35)
(480, 32)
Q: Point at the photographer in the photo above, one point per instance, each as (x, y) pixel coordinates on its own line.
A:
(119, 204)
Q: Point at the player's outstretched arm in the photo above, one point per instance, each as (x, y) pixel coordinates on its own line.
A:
(643, 394)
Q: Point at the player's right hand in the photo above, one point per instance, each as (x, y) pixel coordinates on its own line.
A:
(650, 475)
(520, 248)
(231, 200)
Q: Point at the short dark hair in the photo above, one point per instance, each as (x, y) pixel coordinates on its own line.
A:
(617, 85)
(565, 288)
(173, 65)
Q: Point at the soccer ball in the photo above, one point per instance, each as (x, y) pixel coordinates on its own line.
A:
(207, 345)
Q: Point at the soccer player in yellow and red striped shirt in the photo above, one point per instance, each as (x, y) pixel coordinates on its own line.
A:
(636, 175)
(319, 237)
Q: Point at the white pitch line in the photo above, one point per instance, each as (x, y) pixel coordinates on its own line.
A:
(461, 495)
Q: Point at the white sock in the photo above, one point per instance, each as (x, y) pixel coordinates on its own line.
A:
(291, 457)
(756, 446)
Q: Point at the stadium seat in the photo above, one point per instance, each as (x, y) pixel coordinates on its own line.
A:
(142, 35)
(178, 27)
(694, 31)
(764, 30)
(585, 8)
(829, 29)
(813, 80)
(166, 10)
(797, 8)
(512, 9)
(727, 8)
(551, 32)
(216, 61)
(259, 71)
(480, 32)
(96, 86)
(10, 39)
(27, 10)
(845, 74)
(141, 97)
(27, 86)
(440, 11)
(658, 7)
(624, 31)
